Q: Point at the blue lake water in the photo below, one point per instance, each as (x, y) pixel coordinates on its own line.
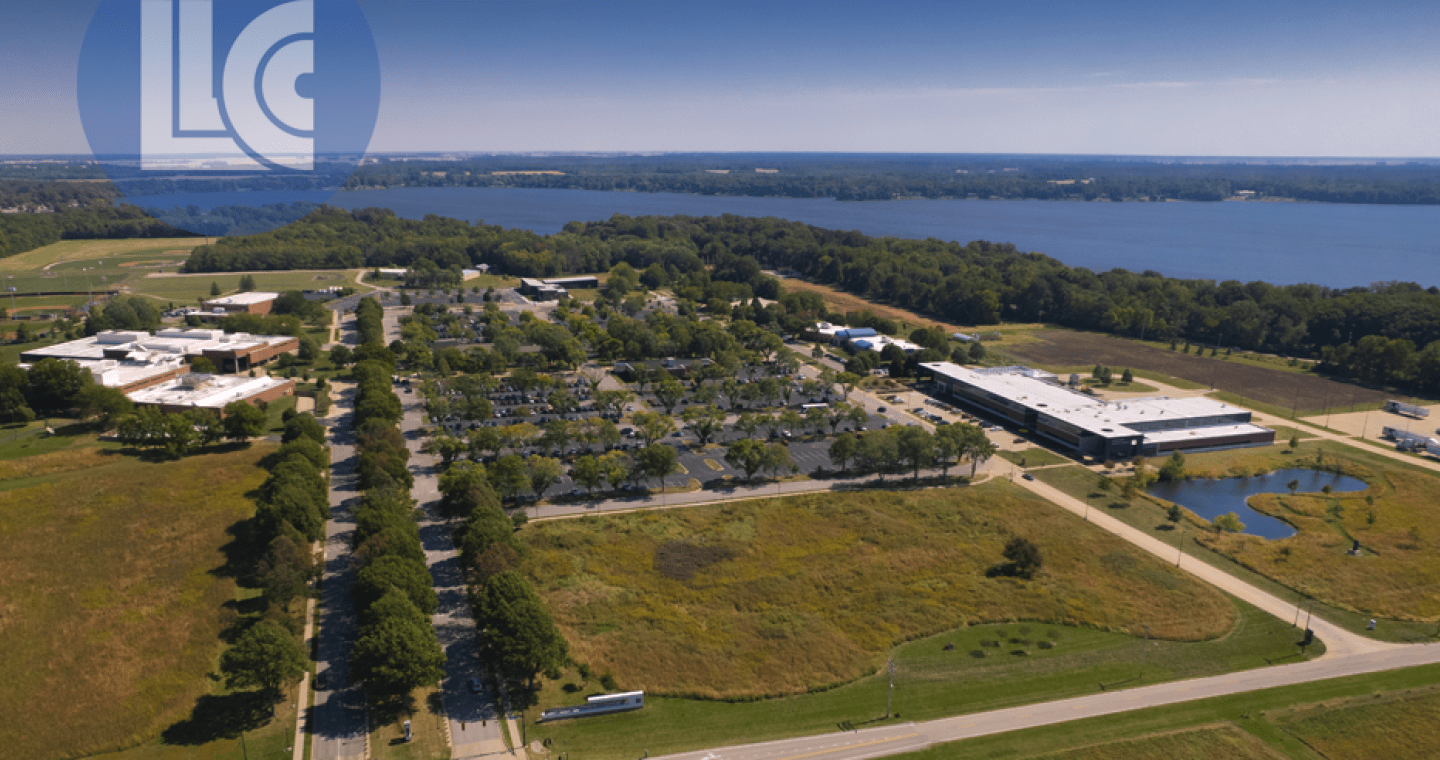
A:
(1212, 497)
(1339, 245)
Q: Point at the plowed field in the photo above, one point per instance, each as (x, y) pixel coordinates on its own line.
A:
(1282, 389)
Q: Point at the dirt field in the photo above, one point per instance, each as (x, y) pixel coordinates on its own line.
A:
(837, 300)
(1282, 389)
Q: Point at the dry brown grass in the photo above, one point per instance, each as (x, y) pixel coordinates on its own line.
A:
(840, 301)
(110, 598)
(817, 588)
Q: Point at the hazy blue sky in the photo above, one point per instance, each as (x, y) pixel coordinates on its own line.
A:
(1313, 78)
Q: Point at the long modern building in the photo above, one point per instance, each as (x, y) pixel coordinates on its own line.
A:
(230, 352)
(1085, 426)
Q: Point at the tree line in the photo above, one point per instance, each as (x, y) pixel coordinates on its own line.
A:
(712, 262)
(872, 178)
(23, 232)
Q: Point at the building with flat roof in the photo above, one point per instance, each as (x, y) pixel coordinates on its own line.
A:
(1083, 425)
(243, 303)
(230, 352)
(880, 342)
(201, 391)
(556, 289)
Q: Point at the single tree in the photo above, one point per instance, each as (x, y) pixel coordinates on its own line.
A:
(244, 420)
(1024, 557)
(1174, 514)
(657, 461)
(543, 473)
(267, 656)
(586, 472)
(1229, 522)
(842, 450)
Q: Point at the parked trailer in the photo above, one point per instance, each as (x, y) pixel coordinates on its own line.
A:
(600, 704)
(1398, 434)
(1433, 449)
(1400, 407)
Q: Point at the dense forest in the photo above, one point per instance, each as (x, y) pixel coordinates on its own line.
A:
(23, 232)
(868, 178)
(1385, 333)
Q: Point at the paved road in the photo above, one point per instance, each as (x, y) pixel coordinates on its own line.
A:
(908, 737)
(474, 728)
(339, 715)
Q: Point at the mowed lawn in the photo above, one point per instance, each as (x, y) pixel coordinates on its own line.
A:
(85, 250)
(1206, 743)
(185, 289)
(782, 596)
(1396, 724)
(112, 586)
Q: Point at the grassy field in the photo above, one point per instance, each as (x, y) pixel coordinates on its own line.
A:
(1204, 743)
(781, 596)
(1394, 724)
(185, 289)
(1263, 714)
(223, 726)
(112, 585)
(1034, 457)
(426, 714)
(136, 249)
(931, 682)
(1119, 386)
(1391, 581)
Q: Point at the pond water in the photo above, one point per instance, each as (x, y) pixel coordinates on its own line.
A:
(1212, 497)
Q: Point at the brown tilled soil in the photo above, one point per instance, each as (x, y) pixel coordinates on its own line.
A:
(1282, 389)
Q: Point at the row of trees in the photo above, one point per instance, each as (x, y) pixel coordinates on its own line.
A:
(179, 433)
(518, 636)
(396, 649)
(913, 448)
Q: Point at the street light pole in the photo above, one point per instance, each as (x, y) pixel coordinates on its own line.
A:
(1145, 653)
(1299, 598)
(1180, 547)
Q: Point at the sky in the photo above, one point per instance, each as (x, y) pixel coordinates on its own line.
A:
(1255, 78)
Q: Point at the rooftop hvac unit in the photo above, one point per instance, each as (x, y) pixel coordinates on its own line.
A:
(196, 380)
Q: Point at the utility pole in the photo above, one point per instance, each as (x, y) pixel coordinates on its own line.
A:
(1145, 653)
(890, 694)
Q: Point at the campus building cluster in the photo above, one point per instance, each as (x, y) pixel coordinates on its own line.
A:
(860, 338)
(1085, 426)
(134, 362)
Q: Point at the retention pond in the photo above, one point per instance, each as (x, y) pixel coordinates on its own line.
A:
(1212, 497)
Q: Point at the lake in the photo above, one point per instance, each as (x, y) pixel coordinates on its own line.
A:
(1212, 497)
(1338, 245)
